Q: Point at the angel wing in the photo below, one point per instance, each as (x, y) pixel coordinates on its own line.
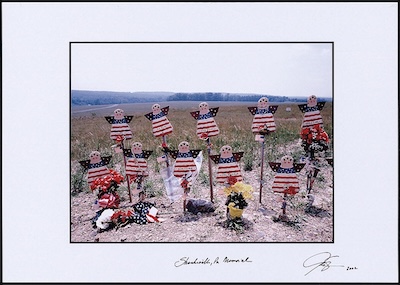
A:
(147, 153)
(109, 119)
(195, 114)
(165, 110)
(303, 107)
(128, 118)
(238, 155)
(149, 116)
(195, 152)
(173, 153)
(214, 111)
(298, 166)
(106, 159)
(274, 165)
(128, 152)
(252, 110)
(320, 105)
(215, 158)
(85, 163)
(272, 109)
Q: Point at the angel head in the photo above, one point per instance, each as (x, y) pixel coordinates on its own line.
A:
(156, 109)
(287, 161)
(183, 147)
(262, 103)
(204, 109)
(226, 151)
(95, 157)
(312, 101)
(118, 114)
(136, 148)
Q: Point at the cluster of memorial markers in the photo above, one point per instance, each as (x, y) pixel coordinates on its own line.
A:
(187, 164)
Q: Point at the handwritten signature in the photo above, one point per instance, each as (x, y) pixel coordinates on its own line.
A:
(321, 260)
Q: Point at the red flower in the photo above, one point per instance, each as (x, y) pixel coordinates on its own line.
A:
(184, 184)
(291, 191)
(119, 138)
(204, 136)
(232, 180)
(164, 145)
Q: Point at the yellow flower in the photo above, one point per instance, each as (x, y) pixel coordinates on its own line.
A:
(240, 187)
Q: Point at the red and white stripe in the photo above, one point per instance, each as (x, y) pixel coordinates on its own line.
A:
(121, 129)
(183, 165)
(208, 126)
(312, 118)
(136, 166)
(260, 120)
(94, 173)
(228, 169)
(282, 181)
(161, 126)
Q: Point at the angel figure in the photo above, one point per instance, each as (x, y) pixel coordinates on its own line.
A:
(227, 164)
(119, 125)
(312, 114)
(184, 159)
(206, 125)
(263, 116)
(161, 124)
(137, 160)
(96, 166)
(285, 180)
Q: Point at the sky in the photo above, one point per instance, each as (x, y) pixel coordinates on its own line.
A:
(284, 69)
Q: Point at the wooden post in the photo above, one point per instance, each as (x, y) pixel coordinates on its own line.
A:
(126, 175)
(262, 169)
(210, 170)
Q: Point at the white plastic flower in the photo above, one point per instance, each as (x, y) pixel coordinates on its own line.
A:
(103, 222)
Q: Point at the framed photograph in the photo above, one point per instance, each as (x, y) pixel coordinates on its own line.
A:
(188, 142)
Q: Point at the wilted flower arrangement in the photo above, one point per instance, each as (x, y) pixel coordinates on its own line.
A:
(237, 193)
(106, 189)
(314, 139)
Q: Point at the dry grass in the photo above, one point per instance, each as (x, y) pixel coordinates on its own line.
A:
(91, 132)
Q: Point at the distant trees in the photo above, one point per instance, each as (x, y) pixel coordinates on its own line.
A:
(82, 97)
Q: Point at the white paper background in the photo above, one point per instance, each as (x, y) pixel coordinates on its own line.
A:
(35, 188)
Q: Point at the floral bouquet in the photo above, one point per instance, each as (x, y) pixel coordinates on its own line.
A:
(237, 193)
(105, 189)
(314, 139)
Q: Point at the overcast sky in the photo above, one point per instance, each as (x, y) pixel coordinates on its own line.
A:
(287, 69)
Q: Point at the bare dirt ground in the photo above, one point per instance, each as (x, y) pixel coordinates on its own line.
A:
(316, 225)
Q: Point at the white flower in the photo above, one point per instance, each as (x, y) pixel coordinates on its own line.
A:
(103, 222)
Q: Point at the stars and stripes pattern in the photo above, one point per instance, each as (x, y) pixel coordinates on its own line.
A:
(261, 118)
(120, 127)
(137, 165)
(228, 167)
(161, 125)
(97, 170)
(184, 163)
(312, 116)
(285, 178)
(206, 124)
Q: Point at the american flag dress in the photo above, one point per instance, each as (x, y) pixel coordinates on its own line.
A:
(97, 170)
(184, 163)
(228, 167)
(312, 116)
(120, 127)
(137, 165)
(284, 178)
(161, 125)
(206, 124)
(262, 117)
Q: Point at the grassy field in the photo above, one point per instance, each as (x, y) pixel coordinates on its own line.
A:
(90, 131)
